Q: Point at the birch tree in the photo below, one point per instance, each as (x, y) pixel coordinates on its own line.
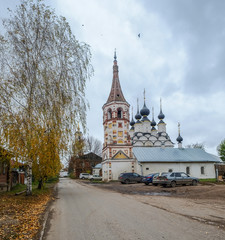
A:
(42, 92)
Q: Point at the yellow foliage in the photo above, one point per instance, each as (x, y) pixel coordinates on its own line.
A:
(20, 216)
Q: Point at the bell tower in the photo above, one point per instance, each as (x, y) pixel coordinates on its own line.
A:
(117, 143)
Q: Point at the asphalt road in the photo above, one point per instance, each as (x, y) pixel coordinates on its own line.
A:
(83, 212)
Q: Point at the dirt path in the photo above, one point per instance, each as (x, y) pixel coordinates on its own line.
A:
(83, 211)
(203, 203)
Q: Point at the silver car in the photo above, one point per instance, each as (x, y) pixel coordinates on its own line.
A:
(84, 175)
(175, 178)
(95, 177)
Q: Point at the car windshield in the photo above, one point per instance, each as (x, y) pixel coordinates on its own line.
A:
(151, 174)
(161, 174)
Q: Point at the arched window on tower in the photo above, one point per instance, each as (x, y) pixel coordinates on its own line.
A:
(109, 114)
(120, 113)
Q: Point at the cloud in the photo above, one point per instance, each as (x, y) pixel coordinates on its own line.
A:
(179, 56)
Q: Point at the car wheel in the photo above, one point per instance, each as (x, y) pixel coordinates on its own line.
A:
(194, 183)
(127, 181)
(146, 183)
(155, 184)
(173, 184)
(82, 178)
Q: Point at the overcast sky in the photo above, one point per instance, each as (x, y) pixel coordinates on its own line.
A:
(180, 57)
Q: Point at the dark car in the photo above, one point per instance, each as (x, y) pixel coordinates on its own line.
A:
(175, 178)
(148, 179)
(156, 176)
(130, 178)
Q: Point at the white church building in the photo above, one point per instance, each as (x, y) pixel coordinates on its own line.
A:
(145, 147)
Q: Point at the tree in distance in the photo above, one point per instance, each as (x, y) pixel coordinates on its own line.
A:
(221, 150)
(196, 145)
(83, 146)
(42, 92)
(94, 145)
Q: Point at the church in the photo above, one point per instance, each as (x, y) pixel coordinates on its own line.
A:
(142, 145)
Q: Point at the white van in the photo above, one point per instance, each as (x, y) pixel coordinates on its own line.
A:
(84, 175)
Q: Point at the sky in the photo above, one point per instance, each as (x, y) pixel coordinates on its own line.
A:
(179, 57)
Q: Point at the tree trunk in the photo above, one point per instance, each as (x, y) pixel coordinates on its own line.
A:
(40, 183)
(29, 179)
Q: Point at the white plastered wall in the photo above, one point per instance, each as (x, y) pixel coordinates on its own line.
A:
(111, 169)
(195, 168)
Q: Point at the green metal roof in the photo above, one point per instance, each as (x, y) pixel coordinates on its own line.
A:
(158, 154)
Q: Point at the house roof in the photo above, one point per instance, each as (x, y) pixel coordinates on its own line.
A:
(91, 156)
(99, 165)
(157, 154)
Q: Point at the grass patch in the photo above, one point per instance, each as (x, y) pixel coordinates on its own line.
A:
(52, 180)
(210, 180)
(49, 184)
(72, 176)
(18, 188)
(96, 181)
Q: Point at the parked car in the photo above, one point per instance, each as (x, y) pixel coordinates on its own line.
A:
(175, 178)
(94, 177)
(63, 174)
(84, 175)
(148, 179)
(130, 178)
(156, 175)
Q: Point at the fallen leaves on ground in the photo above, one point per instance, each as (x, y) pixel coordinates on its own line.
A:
(20, 215)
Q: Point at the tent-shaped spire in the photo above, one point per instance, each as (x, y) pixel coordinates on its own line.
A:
(116, 93)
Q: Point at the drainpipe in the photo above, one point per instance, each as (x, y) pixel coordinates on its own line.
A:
(217, 173)
(141, 169)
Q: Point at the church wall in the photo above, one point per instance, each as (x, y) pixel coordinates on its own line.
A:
(111, 169)
(195, 168)
(161, 127)
(116, 129)
(96, 171)
(146, 127)
(111, 150)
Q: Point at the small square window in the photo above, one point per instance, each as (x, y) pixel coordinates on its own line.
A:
(170, 170)
(147, 168)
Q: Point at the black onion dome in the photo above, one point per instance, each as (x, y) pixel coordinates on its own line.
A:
(161, 115)
(179, 139)
(132, 122)
(153, 123)
(145, 111)
(138, 116)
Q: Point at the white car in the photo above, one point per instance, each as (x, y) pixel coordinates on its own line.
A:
(84, 175)
(94, 177)
(63, 174)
